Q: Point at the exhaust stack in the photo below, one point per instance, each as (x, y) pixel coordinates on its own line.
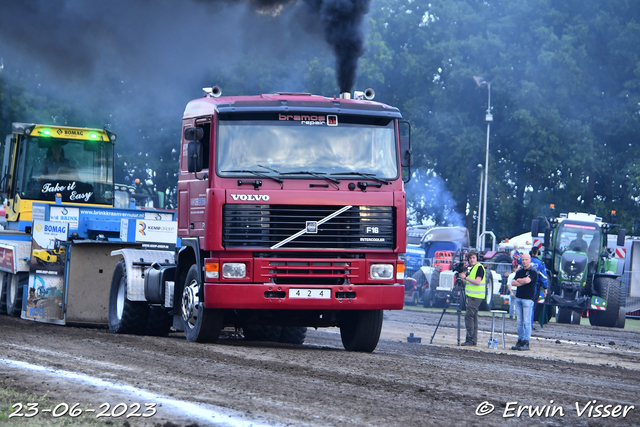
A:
(345, 95)
(214, 91)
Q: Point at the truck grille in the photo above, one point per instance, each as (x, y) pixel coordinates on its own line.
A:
(263, 226)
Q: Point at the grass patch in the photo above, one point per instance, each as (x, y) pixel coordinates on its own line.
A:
(8, 398)
(630, 324)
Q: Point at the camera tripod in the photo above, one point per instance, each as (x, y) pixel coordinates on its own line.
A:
(456, 299)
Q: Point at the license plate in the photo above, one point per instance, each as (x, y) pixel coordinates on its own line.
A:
(310, 293)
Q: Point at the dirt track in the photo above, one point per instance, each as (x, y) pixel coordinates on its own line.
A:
(320, 384)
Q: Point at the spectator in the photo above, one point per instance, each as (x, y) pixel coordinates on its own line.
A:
(542, 279)
(525, 280)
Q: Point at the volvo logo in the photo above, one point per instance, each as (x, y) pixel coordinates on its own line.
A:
(250, 197)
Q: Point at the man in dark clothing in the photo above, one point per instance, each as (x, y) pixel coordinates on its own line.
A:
(579, 244)
(525, 280)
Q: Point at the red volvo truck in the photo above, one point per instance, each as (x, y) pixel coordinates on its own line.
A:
(291, 214)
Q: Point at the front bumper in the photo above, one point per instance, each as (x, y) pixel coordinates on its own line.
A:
(270, 296)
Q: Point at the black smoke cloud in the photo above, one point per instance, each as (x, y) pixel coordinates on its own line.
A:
(163, 40)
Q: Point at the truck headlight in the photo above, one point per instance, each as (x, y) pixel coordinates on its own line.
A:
(381, 271)
(234, 270)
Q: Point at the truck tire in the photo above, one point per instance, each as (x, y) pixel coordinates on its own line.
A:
(293, 334)
(563, 315)
(360, 330)
(125, 316)
(200, 324)
(159, 321)
(269, 333)
(3, 294)
(611, 290)
(15, 286)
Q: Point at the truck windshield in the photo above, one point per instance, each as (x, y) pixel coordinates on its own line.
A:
(80, 171)
(306, 148)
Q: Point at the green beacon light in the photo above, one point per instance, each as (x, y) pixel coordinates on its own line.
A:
(93, 135)
(46, 132)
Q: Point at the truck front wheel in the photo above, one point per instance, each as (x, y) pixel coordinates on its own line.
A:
(200, 324)
(125, 316)
(360, 330)
(293, 334)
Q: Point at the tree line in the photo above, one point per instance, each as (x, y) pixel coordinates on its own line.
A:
(565, 102)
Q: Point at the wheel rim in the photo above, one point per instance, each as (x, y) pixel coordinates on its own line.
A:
(190, 303)
(120, 298)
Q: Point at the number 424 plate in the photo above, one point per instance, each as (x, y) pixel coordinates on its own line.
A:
(310, 293)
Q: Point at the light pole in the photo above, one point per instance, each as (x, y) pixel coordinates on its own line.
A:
(480, 81)
(479, 209)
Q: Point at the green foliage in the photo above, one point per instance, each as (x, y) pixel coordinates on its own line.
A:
(565, 99)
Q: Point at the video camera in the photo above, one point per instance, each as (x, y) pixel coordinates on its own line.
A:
(459, 267)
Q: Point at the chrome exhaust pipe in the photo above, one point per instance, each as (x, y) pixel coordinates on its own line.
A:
(369, 94)
(214, 91)
(345, 95)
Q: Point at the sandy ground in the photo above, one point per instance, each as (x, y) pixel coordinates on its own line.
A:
(574, 375)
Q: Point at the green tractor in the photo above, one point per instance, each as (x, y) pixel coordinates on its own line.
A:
(584, 274)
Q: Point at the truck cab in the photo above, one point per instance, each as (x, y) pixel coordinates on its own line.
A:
(42, 162)
(291, 213)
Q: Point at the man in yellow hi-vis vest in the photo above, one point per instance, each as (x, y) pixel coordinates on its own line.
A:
(475, 289)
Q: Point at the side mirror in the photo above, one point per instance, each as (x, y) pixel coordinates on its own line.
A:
(195, 152)
(621, 235)
(534, 228)
(6, 165)
(193, 134)
(406, 153)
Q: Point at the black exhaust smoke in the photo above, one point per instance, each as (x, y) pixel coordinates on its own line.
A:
(342, 24)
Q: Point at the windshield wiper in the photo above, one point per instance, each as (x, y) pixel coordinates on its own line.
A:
(271, 169)
(370, 176)
(256, 173)
(316, 174)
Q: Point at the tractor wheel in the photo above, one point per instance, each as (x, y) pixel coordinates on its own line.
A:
(3, 293)
(488, 296)
(415, 298)
(360, 330)
(611, 290)
(15, 286)
(576, 316)
(427, 298)
(563, 315)
(269, 333)
(159, 321)
(200, 324)
(293, 334)
(125, 316)
(622, 317)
